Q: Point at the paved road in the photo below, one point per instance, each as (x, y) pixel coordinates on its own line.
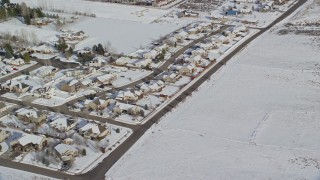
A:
(99, 172)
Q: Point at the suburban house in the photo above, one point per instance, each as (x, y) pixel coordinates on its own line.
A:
(68, 141)
(31, 115)
(41, 21)
(170, 77)
(63, 124)
(122, 61)
(29, 142)
(94, 131)
(44, 92)
(4, 135)
(181, 36)
(97, 104)
(43, 49)
(71, 86)
(187, 69)
(106, 79)
(151, 54)
(66, 152)
(97, 62)
(127, 109)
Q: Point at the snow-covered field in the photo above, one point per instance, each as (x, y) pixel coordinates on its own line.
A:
(13, 174)
(15, 27)
(124, 36)
(105, 10)
(255, 119)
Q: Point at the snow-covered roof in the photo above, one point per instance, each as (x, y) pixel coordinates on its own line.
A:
(30, 138)
(105, 77)
(96, 129)
(28, 112)
(62, 148)
(62, 122)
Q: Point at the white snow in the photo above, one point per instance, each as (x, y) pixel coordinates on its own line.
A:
(256, 119)
(14, 174)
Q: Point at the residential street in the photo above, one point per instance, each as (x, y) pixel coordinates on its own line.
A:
(138, 130)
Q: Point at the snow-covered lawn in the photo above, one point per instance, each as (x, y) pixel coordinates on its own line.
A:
(124, 36)
(255, 119)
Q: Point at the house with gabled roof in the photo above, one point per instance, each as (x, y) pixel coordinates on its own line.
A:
(94, 131)
(63, 124)
(29, 142)
(66, 152)
(31, 115)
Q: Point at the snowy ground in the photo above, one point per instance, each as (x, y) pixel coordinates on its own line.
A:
(105, 10)
(14, 26)
(133, 34)
(13, 174)
(255, 119)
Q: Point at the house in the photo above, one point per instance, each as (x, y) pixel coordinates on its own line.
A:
(130, 96)
(222, 39)
(101, 103)
(170, 77)
(40, 21)
(89, 104)
(94, 131)
(43, 92)
(4, 135)
(181, 36)
(96, 62)
(127, 109)
(66, 152)
(31, 115)
(68, 141)
(161, 48)
(199, 52)
(172, 41)
(122, 61)
(187, 69)
(29, 142)
(106, 79)
(71, 86)
(43, 49)
(63, 124)
(151, 54)
(194, 60)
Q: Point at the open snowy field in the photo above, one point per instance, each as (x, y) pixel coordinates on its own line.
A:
(15, 27)
(105, 10)
(255, 119)
(13, 174)
(124, 36)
